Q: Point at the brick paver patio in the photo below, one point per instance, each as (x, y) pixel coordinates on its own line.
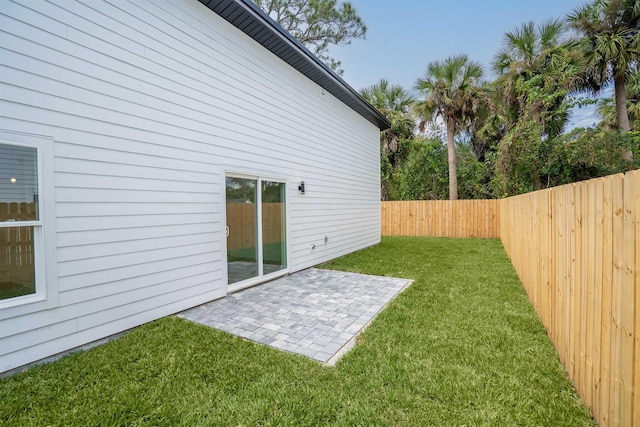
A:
(316, 313)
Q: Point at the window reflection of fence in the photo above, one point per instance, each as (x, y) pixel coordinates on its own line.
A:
(241, 220)
(16, 244)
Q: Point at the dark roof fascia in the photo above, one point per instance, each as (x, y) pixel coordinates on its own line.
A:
(250, 19)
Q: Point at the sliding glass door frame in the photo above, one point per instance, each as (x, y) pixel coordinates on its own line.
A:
(261, 277)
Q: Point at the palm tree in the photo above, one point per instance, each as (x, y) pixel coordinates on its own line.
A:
(607, 106)
(395, 104)
(525, 48)
(537, 67)
(610, 30)
(453, 92)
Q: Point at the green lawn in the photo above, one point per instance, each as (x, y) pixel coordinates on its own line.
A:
(461, 346)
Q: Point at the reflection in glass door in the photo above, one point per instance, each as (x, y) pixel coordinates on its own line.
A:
(256, 228)
(273, 227)
(242, 231)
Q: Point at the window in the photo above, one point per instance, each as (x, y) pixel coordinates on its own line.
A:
(28, 277)
(20, 220)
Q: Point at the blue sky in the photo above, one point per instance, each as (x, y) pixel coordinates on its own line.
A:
(403, 36)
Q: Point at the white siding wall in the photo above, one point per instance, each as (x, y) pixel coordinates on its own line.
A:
(149, 102)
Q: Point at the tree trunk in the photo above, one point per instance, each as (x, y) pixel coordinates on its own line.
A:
(451, 150)
(621, 104)
(621, 109)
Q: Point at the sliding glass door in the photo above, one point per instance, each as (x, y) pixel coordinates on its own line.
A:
(256, 229)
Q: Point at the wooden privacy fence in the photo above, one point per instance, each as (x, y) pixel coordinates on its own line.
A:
(576, 251)
(441, 218)
(241, 220)
(16, 245)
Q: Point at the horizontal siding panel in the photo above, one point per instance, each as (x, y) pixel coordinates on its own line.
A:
(37, 19)
(338, 195)
(123, 261)
(205, 222)
(92, 195)
(45, 333)
(32, 81)
(80, 166)
(86, 252)
(336, 214)
(335, 242)
(141, 208)
(307, 258)
(82, 238)
(106, 276)
(43, 62)
(332, 232)
(171, 166)
(100, 317)
(94, 182)
(172, 279)
(351, 226)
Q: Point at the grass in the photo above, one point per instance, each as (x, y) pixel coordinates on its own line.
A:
(461, 346)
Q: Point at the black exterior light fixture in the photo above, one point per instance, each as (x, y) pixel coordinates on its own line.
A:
(301, 187)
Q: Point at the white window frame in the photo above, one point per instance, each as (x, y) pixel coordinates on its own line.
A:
(44, 235)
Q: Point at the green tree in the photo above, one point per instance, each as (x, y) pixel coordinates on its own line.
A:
(317, 24)
(610, 30)
(587, 153)
(537, 69)
(395, 103)
(607, 106)
(424, 174)
(453, 91)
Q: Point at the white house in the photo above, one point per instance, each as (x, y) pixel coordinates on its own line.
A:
(159, 154)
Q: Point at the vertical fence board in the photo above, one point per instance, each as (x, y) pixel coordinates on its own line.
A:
(580, 295)
(574, 311)
(597, 294)
(635, 387)
(616, 297)
(628, 299)
(607, 278)
(561, 270)
(589, 262)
